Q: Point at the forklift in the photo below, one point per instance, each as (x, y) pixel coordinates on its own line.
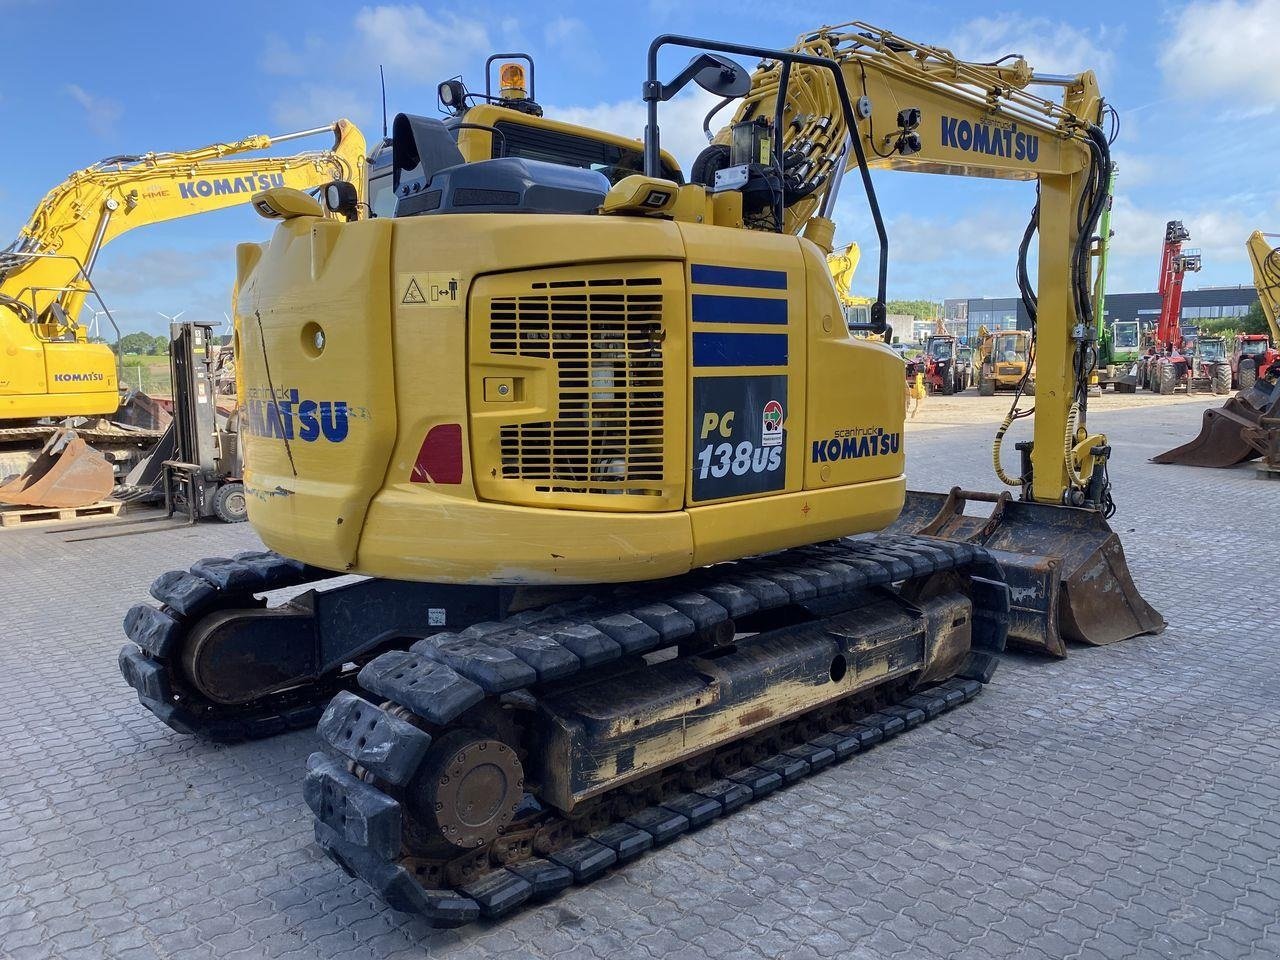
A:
(195, 468)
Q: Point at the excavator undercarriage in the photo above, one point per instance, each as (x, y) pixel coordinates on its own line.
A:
(498, 757)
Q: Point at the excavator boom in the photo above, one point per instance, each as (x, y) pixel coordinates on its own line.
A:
(925, 110)
(50, 370)
(45, 274)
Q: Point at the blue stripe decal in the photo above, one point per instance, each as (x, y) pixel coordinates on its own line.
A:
(739, 277)
(712, 308)
(739, 349)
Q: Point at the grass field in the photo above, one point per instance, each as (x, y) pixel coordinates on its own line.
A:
(148, 374)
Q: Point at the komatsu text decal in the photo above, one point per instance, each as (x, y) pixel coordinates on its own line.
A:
(856, 442)
(291, 418)
(993, 139)
(220, 186)
(78, 377)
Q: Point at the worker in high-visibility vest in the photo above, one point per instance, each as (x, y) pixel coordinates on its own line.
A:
(915, 393)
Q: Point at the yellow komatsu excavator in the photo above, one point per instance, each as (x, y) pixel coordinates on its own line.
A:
(618, 477)
(49, 369)
(1247, 426)
(843, 264)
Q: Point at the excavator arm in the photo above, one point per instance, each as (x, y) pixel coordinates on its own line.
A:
(49, 368)
(858, 98)
(919, 108)
(1266, 278)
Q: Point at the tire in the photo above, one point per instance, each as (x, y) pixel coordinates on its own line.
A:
(1030, 389)
(1221, 379)
(1248, 374)
(986, 387)
(229, 504)
(948, 386)
(1166, 377)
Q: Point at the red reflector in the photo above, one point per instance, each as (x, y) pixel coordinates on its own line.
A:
(440, 458)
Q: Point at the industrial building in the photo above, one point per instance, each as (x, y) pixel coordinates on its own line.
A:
(965, 316)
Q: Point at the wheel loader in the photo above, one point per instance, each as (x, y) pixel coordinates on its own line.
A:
(1007, 362)
(626, 498)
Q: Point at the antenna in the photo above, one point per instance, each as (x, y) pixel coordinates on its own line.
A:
(382, 77)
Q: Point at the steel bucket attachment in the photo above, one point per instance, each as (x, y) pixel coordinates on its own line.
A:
(68, 473)
(1231, 433)
(1067, 574)
(139, 410)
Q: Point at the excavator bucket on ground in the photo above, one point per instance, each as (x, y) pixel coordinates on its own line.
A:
(1232, 433)
(1066, 569)
(68, 473)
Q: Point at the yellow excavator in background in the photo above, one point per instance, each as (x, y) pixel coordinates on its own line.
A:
(49, 369)
(1247, 426)
(618, 477)
(843, 264)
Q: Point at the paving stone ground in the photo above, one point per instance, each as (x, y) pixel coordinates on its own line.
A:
(1124, 802)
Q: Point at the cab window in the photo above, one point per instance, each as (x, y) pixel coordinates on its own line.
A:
(553, 146)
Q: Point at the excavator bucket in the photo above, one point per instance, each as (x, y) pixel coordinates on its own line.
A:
(68, 473)
(1066, 569)
(1232, 433)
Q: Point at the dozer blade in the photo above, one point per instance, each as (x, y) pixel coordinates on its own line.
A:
(1228, 434)
(68, 473)
(1066, 569)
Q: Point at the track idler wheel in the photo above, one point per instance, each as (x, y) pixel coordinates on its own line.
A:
(467, 789)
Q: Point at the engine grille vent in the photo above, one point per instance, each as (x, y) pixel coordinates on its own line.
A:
(606, 338)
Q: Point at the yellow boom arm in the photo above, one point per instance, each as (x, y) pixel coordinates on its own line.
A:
(921, 109)
(47, 367)
(1266, 277)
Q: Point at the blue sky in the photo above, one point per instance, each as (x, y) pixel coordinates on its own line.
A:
(1195, 85)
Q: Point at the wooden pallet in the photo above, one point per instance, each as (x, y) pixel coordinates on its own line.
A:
(39, 516)
(1268, 472)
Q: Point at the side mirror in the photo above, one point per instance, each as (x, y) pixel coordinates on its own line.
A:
(720, 76)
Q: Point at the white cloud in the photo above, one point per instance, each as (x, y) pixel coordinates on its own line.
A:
(416, 44)
(1136, 170)
(1049, 46)
(417, 48)
(313, 104)
(1221, 49)
(1217, 230)
(563, 30)
(101, 113)
(161, 268)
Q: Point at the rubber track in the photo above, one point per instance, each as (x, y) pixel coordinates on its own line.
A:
(358, 824)
(158, 632)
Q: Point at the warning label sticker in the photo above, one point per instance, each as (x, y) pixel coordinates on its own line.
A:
(413, 293)
(437, 288)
